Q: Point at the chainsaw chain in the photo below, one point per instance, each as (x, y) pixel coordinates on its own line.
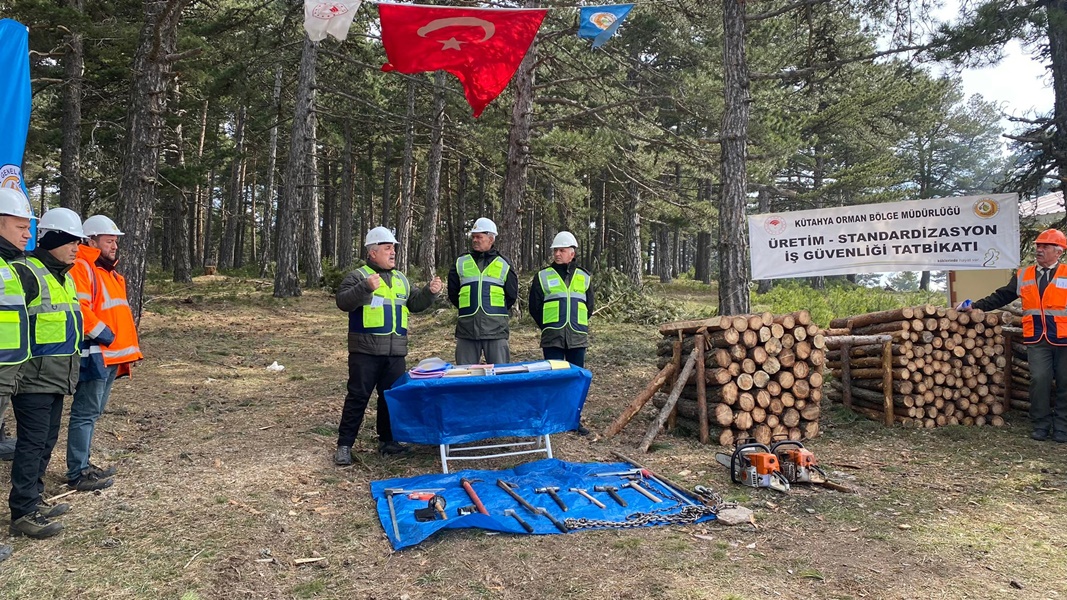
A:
(688, 514)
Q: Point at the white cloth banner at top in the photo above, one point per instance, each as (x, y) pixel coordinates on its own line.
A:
(941, 234)
(329, 16)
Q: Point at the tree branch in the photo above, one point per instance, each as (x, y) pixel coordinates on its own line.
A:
(801, 73)
(774, 13)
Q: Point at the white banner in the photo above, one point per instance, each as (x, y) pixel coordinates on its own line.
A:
(941, 234)
(329, 16)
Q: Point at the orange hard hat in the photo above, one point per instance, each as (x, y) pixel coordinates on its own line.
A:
(1052, 236)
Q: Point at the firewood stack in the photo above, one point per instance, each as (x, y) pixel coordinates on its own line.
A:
(944, 367)
(762, 375)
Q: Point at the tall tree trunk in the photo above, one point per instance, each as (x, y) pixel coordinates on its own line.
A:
(387, 183)
(601, 233)
(329, 213)
(733, 267)
(632, 265)
(407, 184)
(663, 253)
(1057, 45)
(267, 231)
(509, 243)
(232, 208)
(152, 64)
(764, 196)
(70, 154)
(428, 256)
(286, 275)
(183, 268)
(348, 188)
(312, 234)
(196, 214)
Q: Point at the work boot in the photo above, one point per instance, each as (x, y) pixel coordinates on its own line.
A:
(1039, 435)
(34, 525)
(1060, 437)
(391, 448)
(101, 472)
(5, 552)
(51, 511)
(89, 482)
(582, 431)
(343, 456)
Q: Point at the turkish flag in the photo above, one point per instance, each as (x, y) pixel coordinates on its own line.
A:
(482, 47)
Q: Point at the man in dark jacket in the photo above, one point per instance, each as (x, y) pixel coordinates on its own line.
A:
(484, 287)
(561, 301)
(51, 372)
(377, 299)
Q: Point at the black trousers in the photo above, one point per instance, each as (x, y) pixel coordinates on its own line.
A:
(1048, 402)
(575, 356)
(365, 373)
(38, 418)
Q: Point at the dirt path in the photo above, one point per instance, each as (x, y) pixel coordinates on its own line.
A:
(226, 479)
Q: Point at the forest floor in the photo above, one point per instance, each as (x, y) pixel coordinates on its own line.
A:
(226, 479)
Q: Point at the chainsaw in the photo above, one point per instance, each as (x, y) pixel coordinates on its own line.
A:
(753, 464)
(798, 465)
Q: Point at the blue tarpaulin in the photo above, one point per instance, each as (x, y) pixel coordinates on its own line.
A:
(15, 104)
(527, 477)
(458, 410)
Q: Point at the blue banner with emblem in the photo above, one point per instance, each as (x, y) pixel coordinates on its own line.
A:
(599, 23)
(15, 101)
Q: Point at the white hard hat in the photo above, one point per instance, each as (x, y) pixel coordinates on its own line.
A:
(61, 219)
(13, 202)
(484, 225)
(564, 239)
(380, 235)
(100, 225)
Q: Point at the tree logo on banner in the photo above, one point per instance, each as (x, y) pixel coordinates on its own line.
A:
(11, 177)
(775, 225)
(986, 208)
(603, 20)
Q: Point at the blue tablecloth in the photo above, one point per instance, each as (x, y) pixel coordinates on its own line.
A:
(457, 410)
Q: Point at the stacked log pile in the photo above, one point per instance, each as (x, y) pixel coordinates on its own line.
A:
(942, 367)
(760, 375)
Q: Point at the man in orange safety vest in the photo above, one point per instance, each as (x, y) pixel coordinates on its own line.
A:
(109, 346)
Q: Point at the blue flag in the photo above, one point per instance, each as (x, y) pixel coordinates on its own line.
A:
(14, 103)
(599, 23)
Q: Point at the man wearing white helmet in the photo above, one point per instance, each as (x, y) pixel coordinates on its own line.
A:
(484, 287)
(108, 350)
(55, 331)
(561, 301)
(377, 299)
(15, 217)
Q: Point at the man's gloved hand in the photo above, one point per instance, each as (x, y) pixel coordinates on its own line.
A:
(964, 306)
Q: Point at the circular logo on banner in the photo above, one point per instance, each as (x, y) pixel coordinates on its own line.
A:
(11, 177)
(602, 20)
(328, 10)
(986, 208)
(774, 225)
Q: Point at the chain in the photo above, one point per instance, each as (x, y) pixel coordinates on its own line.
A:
(688, 514)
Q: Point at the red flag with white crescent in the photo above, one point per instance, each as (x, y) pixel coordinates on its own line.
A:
(482, 47)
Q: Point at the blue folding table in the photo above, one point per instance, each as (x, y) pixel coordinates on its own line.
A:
(462, 410)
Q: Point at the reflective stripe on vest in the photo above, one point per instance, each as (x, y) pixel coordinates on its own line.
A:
(564, 305)
(105, 293)
(482, 290)
(388, 311)
(14, 320)
(1044, 316)
(55, 316)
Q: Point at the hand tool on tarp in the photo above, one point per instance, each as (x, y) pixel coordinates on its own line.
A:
(588, 497)
(633, 485)
(390, 492)
(612, 491)
(674, 489)
(511, 513)
(435, 507)
(507, 487)
(467, 487)
(559, 524)
(551, 491)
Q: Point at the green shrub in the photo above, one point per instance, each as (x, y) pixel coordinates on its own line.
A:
(617, 299)
(332, 276)
(838, 299)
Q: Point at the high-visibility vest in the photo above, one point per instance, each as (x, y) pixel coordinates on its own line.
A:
(14, 320)
(55, 315)
(1044, 316)
(564, 306)
(388, 311)
(482, 290)
(102, 294)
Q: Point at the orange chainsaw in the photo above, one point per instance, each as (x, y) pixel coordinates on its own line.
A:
(753, 464)
(798, 465)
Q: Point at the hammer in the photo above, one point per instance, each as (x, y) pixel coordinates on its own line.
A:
(511, 513)
(507, 487)
(636, 487)
(588, 497)
(551, 491)
(611, 490)
(466, 483)
(392, 510)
